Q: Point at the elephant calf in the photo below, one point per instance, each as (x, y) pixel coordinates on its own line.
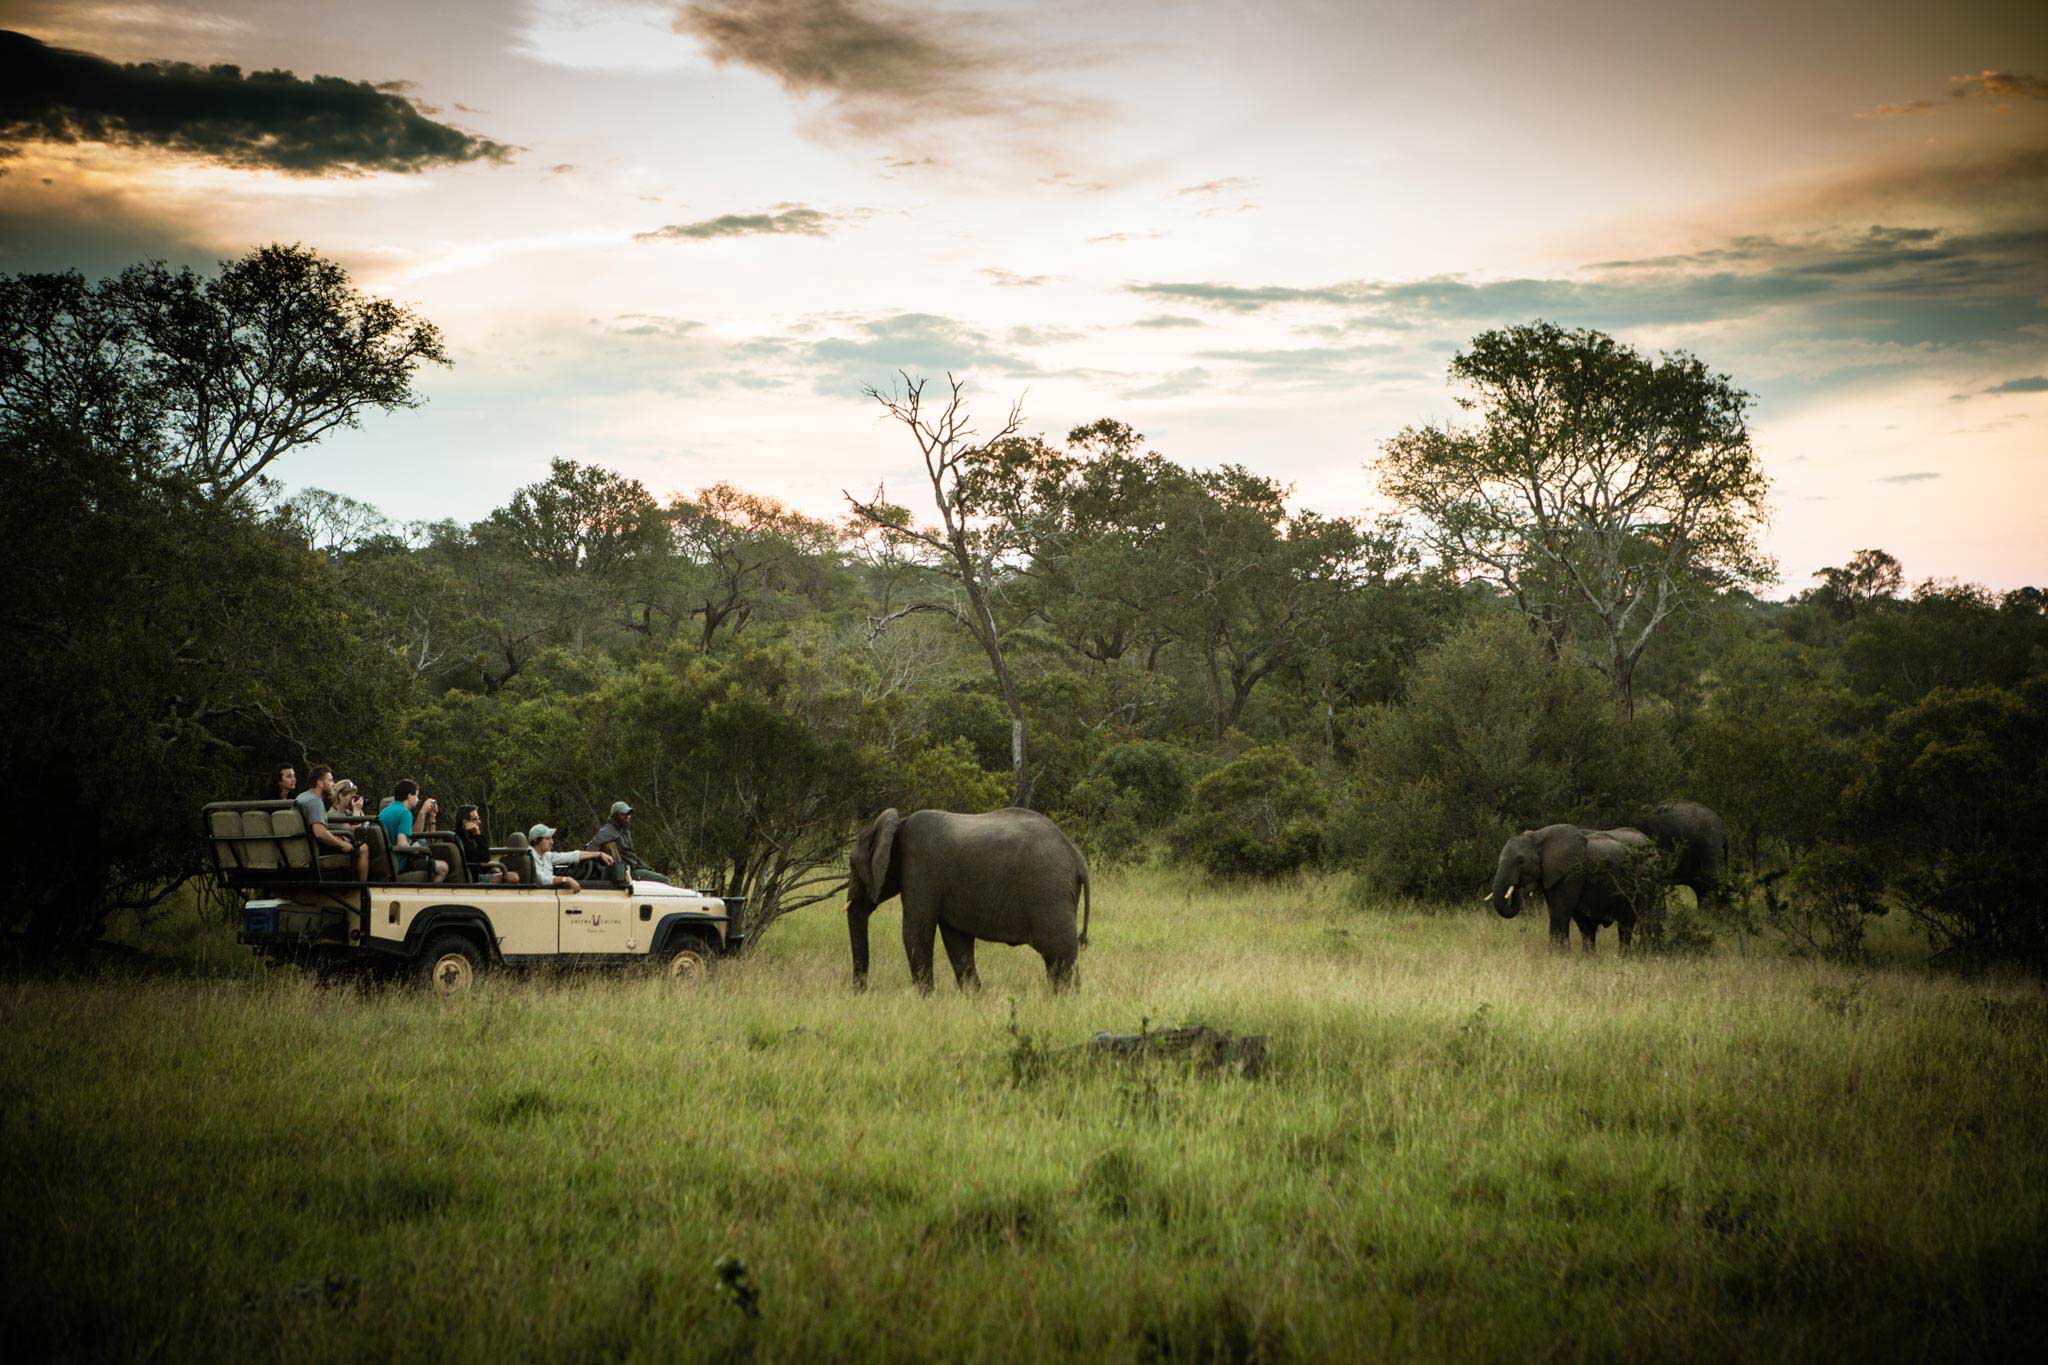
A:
(1009, 876)
(1589, 877)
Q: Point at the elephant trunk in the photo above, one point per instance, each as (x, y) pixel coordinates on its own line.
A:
(857, 938)
(1507, 898)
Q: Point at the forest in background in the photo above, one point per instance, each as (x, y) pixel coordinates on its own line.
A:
(1565, 624)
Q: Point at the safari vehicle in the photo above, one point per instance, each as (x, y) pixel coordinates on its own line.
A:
(300, 907)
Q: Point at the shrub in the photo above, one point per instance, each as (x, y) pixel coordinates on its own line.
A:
(1261, 816)
(1154, 776)
(1494, 736)
(1949, 809)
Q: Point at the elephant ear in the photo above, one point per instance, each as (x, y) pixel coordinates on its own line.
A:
(884, 832)
(1562, 850)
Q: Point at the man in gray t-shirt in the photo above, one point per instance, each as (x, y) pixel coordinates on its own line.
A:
(615, 836)
(338, 852)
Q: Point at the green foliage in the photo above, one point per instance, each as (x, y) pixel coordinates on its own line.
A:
(1494, 736)
(1153, 775)
(1772, 745)
(1950, 805)
(1262, 816)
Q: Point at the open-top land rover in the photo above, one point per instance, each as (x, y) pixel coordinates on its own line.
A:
(301, 906)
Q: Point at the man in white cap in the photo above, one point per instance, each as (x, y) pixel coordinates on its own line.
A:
(548, 865)
(615, 837)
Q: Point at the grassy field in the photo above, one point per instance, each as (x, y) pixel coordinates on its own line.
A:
(1466, 1147)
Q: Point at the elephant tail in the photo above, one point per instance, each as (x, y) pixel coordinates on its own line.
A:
(1087, 903)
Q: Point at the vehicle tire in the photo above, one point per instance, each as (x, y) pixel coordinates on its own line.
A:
(690, 962)
(450, 965)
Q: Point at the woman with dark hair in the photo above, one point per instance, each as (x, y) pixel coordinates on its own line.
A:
(476, 849)
(283, 784)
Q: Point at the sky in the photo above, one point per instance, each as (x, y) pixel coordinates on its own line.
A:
(679, 237)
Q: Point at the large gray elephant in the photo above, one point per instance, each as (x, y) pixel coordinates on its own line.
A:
(1696, 842)
(1009, 876)
(1589, 877)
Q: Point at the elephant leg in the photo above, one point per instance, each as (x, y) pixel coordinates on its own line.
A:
(920, 927)
(960, 952)
(1061, 969)
(1589, 930)
(1560, 922)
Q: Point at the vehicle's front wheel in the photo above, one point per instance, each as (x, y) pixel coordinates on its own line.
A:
(691, 962)
(450, 965)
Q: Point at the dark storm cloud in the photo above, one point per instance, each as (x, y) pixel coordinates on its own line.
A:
(879, 67)
(2033, 383)
(264, 119)
(792, 221)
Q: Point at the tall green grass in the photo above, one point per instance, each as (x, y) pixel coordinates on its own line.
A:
(1466, 1147)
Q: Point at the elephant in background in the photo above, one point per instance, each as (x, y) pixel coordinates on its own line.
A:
(1009, 876)
(1589, 877)
(1695, 839)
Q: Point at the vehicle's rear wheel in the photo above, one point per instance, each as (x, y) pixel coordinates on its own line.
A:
(451, 964)
(691, 962)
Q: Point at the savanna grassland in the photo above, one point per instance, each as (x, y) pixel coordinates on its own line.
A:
(1466, 1146)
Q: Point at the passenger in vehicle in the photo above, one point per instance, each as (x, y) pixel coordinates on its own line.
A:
(347, 800)
(284, 781)
(476, 849)
(548, 865)
(337, 850)
(615, 837)
(396, 818)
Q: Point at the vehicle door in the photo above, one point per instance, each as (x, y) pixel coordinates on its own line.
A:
(599, 919)
(526, 919)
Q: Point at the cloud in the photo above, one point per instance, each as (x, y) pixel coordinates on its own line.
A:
(1229, 184)
(1174, 385)
(1011, 280)
(793, 221)
(1125, 237)
(1042, 336)
(562, 168)
(1999, 85)
(129, 28)
(1922, 476)
(2033, 383)
(921, 343)
(1907, 109)
(1907, 286)
(1238, 298)
(1162, 321)
(269, 120)
(878, 69)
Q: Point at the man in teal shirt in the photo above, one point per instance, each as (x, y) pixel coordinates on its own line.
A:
(397, 821)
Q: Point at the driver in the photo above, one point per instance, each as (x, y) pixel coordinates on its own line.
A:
(614, 837)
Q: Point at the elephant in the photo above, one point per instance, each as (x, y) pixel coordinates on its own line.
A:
(1589, 877)
(1009, 876)
(1696, 840)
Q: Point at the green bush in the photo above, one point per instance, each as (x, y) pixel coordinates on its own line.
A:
(1261, 816)
(1494, 736)
(1949, 809)
(1153, 776)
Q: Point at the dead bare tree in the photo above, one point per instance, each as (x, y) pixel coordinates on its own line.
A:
(968, 546)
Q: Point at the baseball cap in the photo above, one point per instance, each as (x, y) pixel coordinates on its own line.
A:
(621, 808)
(540, 832)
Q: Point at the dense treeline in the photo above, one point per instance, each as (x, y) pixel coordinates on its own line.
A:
(1172, 661)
